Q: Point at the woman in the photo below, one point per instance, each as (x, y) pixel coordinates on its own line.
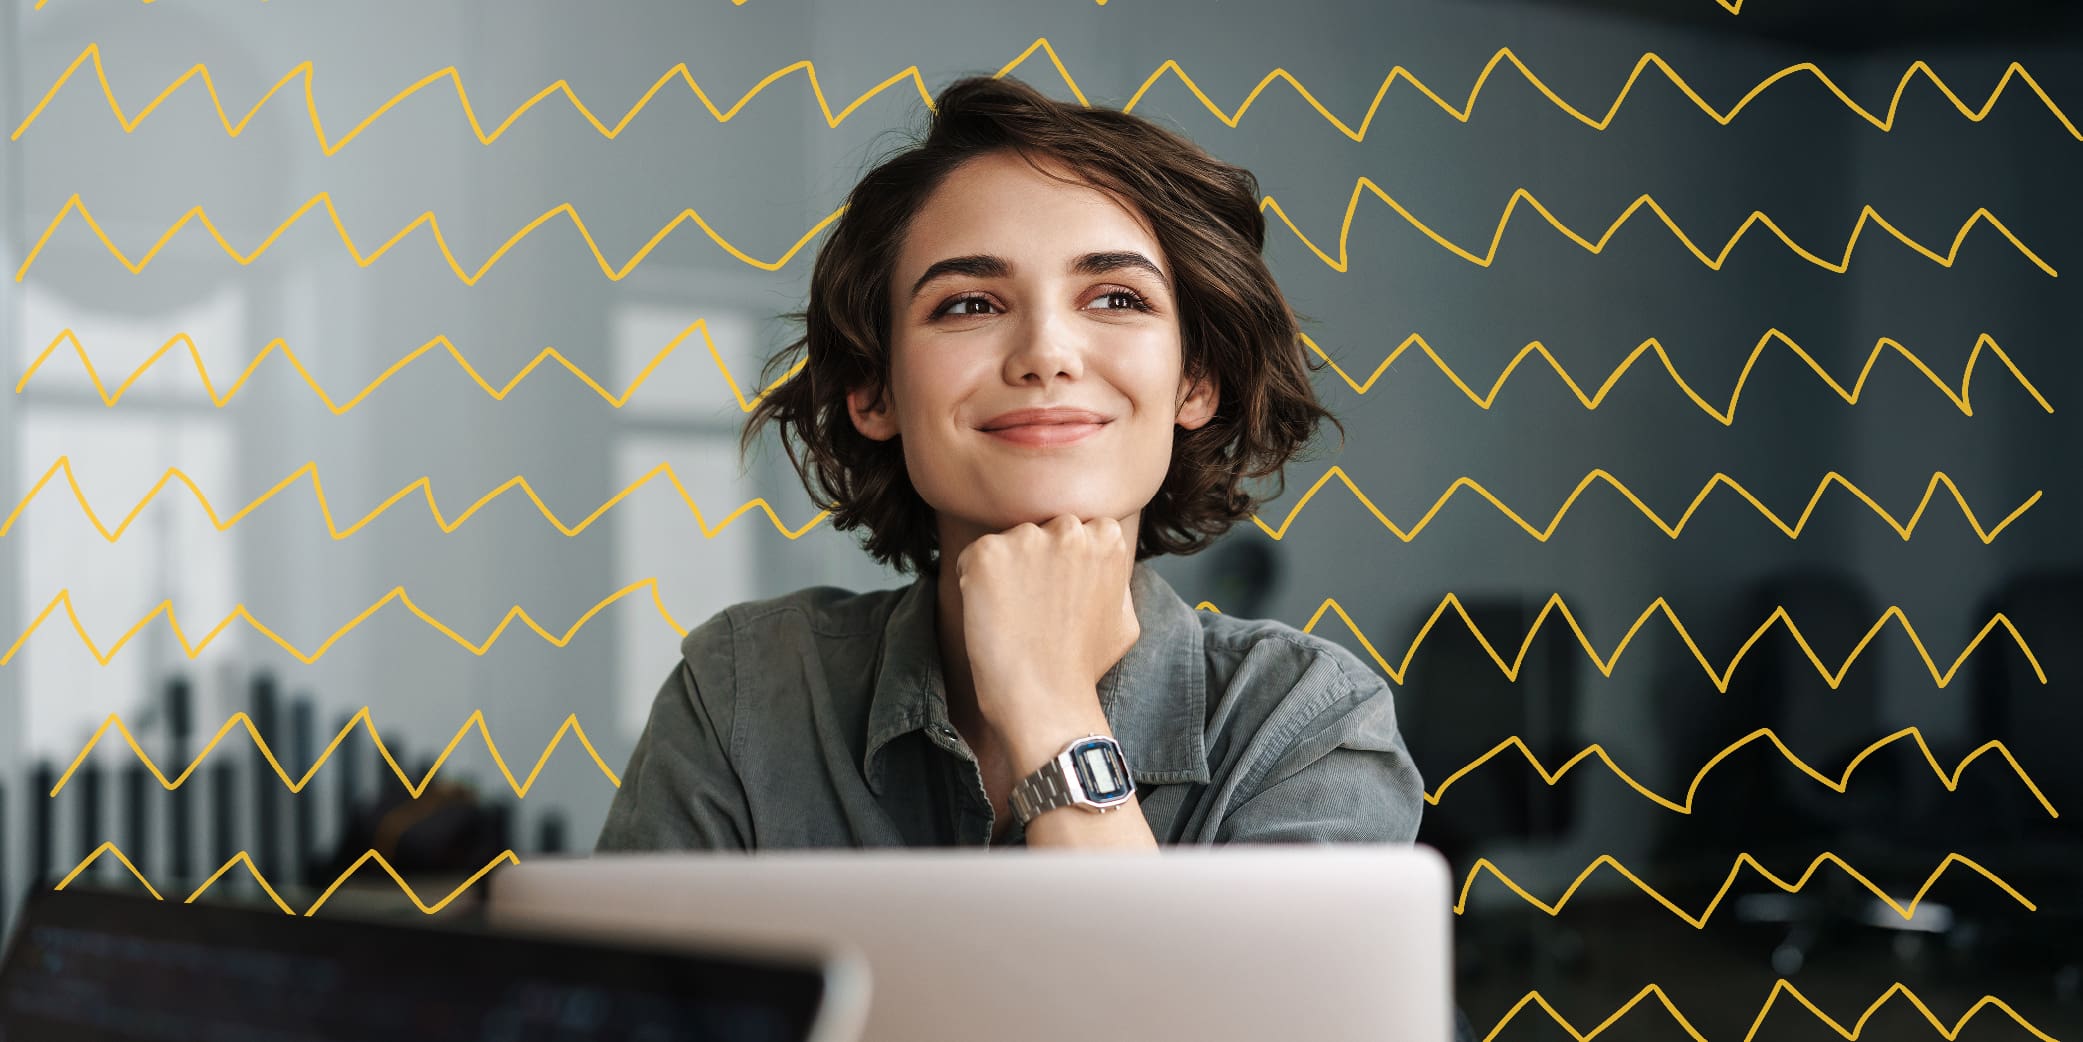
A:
(1042, 348)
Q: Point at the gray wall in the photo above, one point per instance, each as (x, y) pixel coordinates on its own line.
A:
(771, 172)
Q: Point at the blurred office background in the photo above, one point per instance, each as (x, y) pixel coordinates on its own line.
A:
(1661, 702)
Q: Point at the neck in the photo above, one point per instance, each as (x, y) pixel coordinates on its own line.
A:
(955, 537)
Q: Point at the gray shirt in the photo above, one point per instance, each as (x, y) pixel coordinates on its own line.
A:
(819, 719)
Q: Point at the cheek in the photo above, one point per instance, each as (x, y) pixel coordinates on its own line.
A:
(1151, 365)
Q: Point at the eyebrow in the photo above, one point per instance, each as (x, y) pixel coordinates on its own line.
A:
(990, 266)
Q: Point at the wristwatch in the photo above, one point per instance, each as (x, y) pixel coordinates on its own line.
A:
(1089, 773)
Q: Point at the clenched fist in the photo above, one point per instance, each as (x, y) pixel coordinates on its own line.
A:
(1046, 609)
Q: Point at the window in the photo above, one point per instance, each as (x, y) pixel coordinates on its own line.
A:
(169, 553)
(685, 417)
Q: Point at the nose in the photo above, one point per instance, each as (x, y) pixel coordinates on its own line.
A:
(1048, 347)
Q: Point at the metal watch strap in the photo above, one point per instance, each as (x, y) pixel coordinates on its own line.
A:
(1040, 791)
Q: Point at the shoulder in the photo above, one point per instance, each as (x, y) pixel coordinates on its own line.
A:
(828, 612)
(1295, 705)
(818, 621)
(1293, 690)
(1269, 653)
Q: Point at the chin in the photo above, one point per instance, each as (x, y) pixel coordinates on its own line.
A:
(1040, 510)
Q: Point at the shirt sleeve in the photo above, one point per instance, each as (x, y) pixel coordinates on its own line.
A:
(1334, 770)
(680, 791)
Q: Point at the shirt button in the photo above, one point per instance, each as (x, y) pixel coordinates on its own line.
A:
(944, 730)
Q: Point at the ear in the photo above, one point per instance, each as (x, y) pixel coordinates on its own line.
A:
(1198, 401)
(875, 419)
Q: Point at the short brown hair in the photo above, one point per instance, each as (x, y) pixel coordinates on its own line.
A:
(1234, 321)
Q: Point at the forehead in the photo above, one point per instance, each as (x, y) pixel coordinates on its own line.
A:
(999, 204)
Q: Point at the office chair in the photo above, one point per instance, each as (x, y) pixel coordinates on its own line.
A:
(1784, 819)
(1454, 705)
(1994, 815)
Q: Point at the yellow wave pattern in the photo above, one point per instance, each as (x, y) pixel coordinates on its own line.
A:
(279, 345)
(1340, 263)
(242, 858)
(650, 585)
(306, 71)
(194, 649)
(1460, 904)
(1605, 664)
(1902, 528)
(1839, 784)
(1530, 1000)
(1725, 415)
(1779, 988)
(361, 718)
(664, 471)
(1699, 922)
(578, 731)
(423, 485)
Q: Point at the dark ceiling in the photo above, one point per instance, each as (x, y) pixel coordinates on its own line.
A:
(1850, 25)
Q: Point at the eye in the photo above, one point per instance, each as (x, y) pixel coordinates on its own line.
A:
(951, 308)
(1135, 300)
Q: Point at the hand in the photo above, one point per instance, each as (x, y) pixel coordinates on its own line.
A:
(1046, 611)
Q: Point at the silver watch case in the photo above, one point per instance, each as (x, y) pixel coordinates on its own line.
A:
(1076, 777)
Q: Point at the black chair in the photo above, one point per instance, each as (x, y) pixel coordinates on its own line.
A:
(1994, 817)
(1454, 705)
(1755, 801)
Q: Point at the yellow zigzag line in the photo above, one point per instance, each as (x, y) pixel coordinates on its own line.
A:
(1652, 346)
(571, 724)
(1903, 529)
(1511, 670)
(397, 593)
(498, 393)
(1649, 60)
(477, 719)
(424, 485)
(1352, 206)
(1605, 665)
(507, 857)
(1532, 998)
(428, 219)
(1700, 922)
(1951, 782)
(1340, 263)
(1725, 416)
(1535, 998)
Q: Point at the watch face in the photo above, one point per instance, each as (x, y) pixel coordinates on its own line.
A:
(1101, 771)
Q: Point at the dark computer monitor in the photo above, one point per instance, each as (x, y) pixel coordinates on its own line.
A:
(90, 965)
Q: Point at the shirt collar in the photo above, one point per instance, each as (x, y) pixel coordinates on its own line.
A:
(1155, 698)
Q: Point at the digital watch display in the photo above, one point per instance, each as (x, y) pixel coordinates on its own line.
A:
(1090, 773)
(1101, 772)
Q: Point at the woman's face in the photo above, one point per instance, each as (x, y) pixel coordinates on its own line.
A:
(1016, 291)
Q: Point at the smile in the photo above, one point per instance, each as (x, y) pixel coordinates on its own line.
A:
(1045, 434)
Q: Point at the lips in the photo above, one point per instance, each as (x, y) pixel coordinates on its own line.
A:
(1042, 416)
(1044, 434)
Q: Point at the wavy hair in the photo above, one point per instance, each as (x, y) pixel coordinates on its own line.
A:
(1234, 322)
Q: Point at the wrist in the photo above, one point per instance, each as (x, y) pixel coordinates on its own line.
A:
(1033, 738)
(1090, 773)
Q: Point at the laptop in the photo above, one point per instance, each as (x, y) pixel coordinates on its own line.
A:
(1218, 944)
(89, 965)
